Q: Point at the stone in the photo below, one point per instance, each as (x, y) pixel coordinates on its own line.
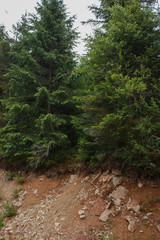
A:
(109, 177)
(105, 215)
(109, 205)
(140, 185)
(72, 177)
(116, 172)
(131, 226)
(35, 191)
(86, 179)
(57, 224)
(145, 218)
(81, 212)
(119, 193)
(91, 202)
(158, 227)
(18, 204)
(82, 216)
(117, 202)
(84, 208)
(149, 214)
(95, 178)
(117, 181)
(135, 209)
(96, 192)
(141, 231)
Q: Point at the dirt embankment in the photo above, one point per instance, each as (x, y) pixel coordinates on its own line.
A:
(73, 207)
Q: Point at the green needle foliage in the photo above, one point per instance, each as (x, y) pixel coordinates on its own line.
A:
(121, 109)
(37, 127)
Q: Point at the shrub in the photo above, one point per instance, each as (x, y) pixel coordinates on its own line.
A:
(15, 193)
(10, 209)
(10, 175)
(20, 179)
(1, 221)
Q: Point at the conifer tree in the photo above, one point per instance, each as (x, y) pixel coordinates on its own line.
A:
(38, 111)
(122, 109)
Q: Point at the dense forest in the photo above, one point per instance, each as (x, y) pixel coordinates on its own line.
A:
(102, 110)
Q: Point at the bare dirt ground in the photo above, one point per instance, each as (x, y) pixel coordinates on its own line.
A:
(78, 207)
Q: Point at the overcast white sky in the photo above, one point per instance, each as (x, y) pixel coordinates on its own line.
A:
(11, 11)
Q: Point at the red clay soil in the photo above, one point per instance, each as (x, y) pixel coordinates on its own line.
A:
(51, 207)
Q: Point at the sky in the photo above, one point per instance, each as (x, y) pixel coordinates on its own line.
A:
(12, 10)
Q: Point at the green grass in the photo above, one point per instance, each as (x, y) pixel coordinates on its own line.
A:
(20, 179)
(9, 209)
(1, 221)
(10, 175)
(109, 237)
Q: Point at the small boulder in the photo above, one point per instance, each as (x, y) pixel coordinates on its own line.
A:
(105, 215)
(81, 212)
(158, 227)
(135, 209)
(119, 193)
(117, 181)
(116, 172)
(140, 185)
(131, 226)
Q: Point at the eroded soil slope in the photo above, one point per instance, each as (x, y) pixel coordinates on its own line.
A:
(81, 207)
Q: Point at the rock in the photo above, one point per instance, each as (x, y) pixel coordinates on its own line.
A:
(149, 214)
(117, 181)
(57, 224)
(140, 185)
(96, 192)
(84, 208)
(141, 231)
(158, 227)
(119, 193)
(72, 177)
(116, 172)
(91, 202)
(129, 200)
(96, 178)
(145, 218)
(105, 215)
(109, 205)
(86, 179)
(83, 216)
(109, 177)
(81, 212)
(35, 191)
(135, 209)
(131, 226)
(18, 204)
(117, 202)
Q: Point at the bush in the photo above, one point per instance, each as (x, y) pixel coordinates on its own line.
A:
(20, 179)
(10, 175)
(10, 209)
(1, 221)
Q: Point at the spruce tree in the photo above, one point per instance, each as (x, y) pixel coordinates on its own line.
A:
(38, 127)
(122, 109)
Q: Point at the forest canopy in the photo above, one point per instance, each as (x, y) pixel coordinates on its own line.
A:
(104, 110)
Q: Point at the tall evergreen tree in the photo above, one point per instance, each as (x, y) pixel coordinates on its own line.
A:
(122, 109)
(38, 124)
